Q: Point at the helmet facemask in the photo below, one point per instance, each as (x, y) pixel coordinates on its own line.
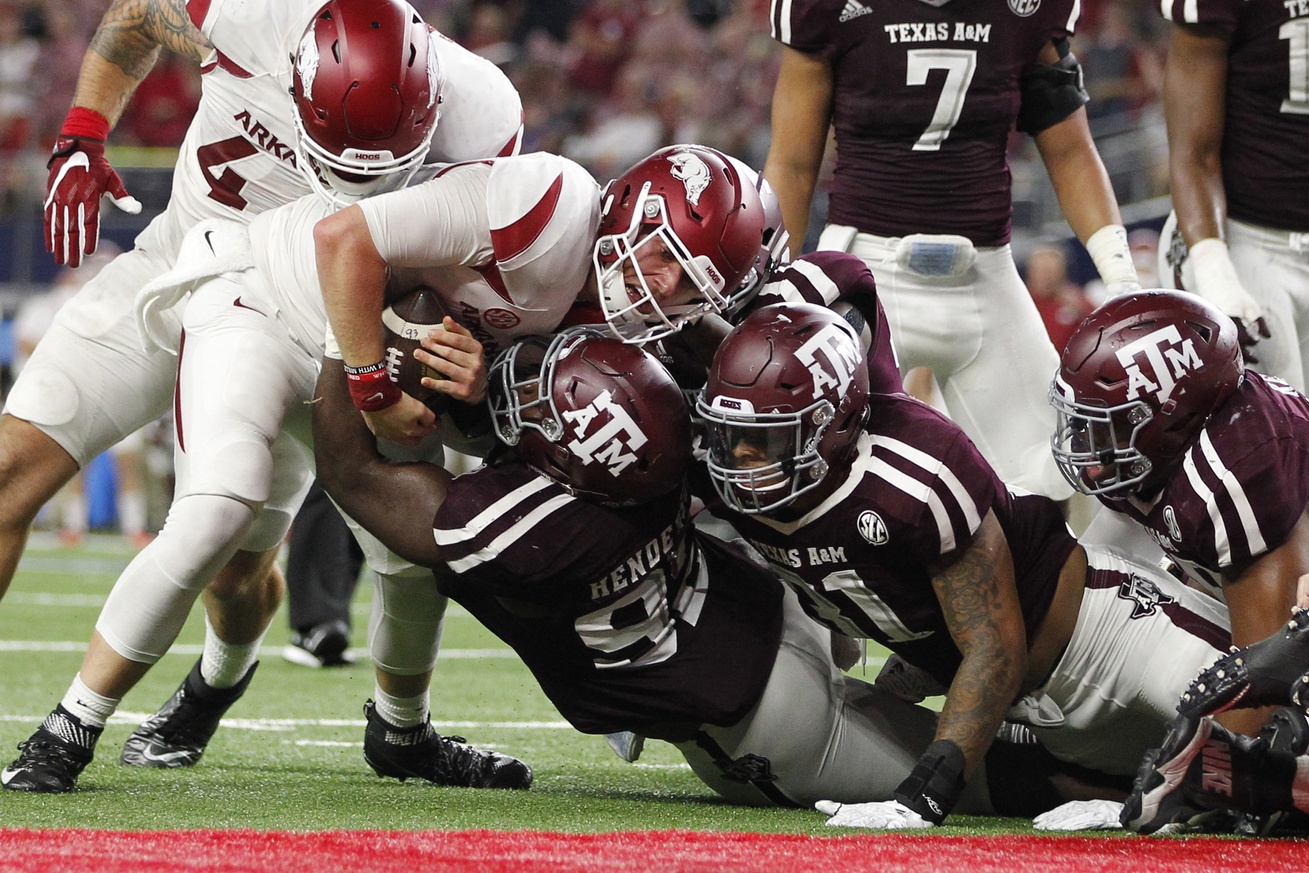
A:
(763, 461)
(633, 311)
(1096, 448)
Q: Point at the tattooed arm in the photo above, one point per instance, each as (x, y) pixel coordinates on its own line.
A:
(979, 598)
(124, 49)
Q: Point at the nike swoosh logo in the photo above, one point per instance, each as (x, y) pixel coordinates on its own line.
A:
(209, 242)
(378, 396)
(163, 758)
(239, 305)
(79, 161)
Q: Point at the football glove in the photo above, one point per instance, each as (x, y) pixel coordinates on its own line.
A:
(883, 815)
(1081, 815)
(79, 176)
(1208, 271)
(1261, 674)
(907, 682)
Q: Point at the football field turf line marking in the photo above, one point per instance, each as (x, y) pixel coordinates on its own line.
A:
(289, 724)
(196, 648)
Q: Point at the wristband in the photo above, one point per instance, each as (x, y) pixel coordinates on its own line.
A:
(371, 387)
(1112, 255)
(937, 780)
(85, 123)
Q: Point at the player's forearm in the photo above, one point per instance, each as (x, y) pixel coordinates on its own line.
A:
(1078, 176)
(1195, 84)
(352, 276)
(801, 115)
(124, 49)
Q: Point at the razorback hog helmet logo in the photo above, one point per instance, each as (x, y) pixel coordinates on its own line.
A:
(830, 358)
(692, 172)
(614, 437)
(1155, 361)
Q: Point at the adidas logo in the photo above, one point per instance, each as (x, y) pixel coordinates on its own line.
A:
(853, 9)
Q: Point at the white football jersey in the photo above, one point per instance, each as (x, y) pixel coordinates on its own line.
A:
(239, 157)
(506, 244)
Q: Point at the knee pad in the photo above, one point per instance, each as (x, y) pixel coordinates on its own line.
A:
(152, 598)
(404, 630)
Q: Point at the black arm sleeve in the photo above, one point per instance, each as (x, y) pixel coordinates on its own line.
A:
(1051, 92)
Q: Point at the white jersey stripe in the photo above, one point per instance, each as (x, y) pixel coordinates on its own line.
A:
(1254, 538)
(818, 278)
(934, 466)
(497, 546)
(452, 536)
(1222, 544)
(918, 491)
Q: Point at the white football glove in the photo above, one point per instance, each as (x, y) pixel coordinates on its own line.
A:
(882, 815)
(1081, 815)
(1112, 255)
(1208, 271)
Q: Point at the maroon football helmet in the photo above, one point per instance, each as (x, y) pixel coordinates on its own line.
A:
(694, 201)
(784, 404)
(1138, 380)
(600, 417)
(367, 87)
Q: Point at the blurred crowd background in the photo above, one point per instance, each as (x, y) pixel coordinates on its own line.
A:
(604, 82)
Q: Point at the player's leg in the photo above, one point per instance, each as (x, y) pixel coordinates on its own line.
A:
(240, 380)
(322, 568)
(1141, 638)
(33, 468)
(1000, 397)
(87, 385)
(408, 615)
(1263, 262)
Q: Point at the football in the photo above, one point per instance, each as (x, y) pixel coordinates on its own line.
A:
(406, 321)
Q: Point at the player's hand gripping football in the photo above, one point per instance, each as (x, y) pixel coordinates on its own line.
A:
(455, 353)
(79, 176)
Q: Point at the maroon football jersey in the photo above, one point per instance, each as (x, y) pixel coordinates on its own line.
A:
(825, 277)
(1241, 487)
(918, 489)
(925, 97)
(630, 619)
(1266, 130)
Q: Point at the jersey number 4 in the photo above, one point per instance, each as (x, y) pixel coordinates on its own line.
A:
(959, 66)
(225, 186)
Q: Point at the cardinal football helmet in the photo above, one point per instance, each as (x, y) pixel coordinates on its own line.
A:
(367, 90)
(693, 202)
(1137, 382)
(602, 418)
(784, 404)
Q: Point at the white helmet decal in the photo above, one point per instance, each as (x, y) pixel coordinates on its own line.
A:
(692, 172)
(306, 63)
(1167, 356)
(614, 442)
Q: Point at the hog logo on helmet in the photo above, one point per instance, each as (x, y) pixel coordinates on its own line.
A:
(1167, 357)
(692, 172)
(614, 442)
(306, 63)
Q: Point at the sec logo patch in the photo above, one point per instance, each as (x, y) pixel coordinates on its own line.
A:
(500, 319)
(872, 528)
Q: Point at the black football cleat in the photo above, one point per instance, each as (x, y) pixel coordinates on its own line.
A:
(323, 645)
(51, 760)
(421, 753)
(177, 734)
(1158, 797)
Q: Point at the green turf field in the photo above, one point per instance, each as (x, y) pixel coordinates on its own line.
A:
(290, 753)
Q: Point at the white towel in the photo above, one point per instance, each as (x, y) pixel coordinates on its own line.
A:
(211, 248)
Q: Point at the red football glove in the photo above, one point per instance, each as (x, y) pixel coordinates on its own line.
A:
(79, 177)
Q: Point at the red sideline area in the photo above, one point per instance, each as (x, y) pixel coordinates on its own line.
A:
(683, 851)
